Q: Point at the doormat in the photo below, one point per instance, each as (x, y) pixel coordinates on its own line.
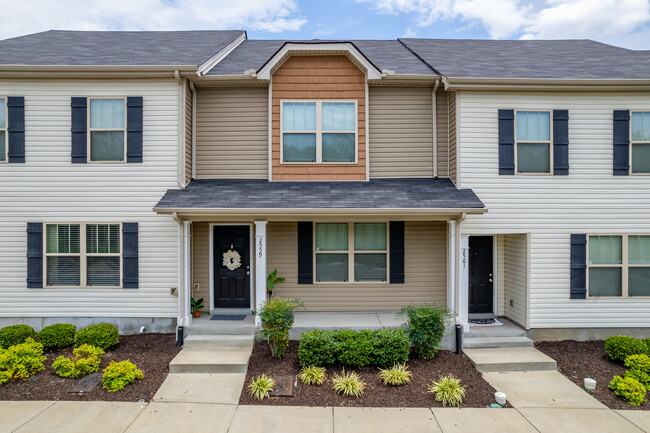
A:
(228, 317)
(284, 385)
(86, 384)
(484, 322)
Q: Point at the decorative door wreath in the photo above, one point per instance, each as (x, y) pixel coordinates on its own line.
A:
(231, 260)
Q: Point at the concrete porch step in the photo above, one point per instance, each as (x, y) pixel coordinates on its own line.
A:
(222, 342)
(510, 359)
(205, 326)
(494, 342)
(210, 361)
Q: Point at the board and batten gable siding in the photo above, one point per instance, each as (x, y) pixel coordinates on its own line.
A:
(188, 133)
(401, 132)
(327, 78)
(232, 136)
(425, 262)
(453, 136)
(550, 208)
(49, 188)
(442, 132)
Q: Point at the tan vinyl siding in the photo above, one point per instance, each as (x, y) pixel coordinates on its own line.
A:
(452, 136)
(425, 272)
(188, 133)
(232, 133)
(516, 277)
(201, 261)
(401, 132)
(442, 133)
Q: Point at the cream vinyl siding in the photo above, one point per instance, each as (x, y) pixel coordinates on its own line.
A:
(515, 278)
(452, 136)
(425, 265)
(200, 261)
(48, 188)
(442, 132)
(232, 136)
(590, 200)
(401, 132)
(188, 133)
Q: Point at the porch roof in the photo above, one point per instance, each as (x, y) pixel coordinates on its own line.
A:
(385, 196)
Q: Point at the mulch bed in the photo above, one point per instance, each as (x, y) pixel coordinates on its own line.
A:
(479, 392)
(580, 359)
(150, 352)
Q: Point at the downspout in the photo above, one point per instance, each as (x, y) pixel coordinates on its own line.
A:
(193, 90)
(181, 129)
(435, 128)
(457, 279)
(179, 318)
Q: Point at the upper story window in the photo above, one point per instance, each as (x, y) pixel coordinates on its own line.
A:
(3, 131)
(533, 149)
(640, 142)
(107, 138)
(319, 131)
(619, 265)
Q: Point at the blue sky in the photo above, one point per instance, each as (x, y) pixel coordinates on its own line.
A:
(624, 23)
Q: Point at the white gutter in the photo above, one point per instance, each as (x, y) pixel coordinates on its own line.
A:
(296, 212)
(451, 272)
(193, 90)
(214, 60)
(180, 164)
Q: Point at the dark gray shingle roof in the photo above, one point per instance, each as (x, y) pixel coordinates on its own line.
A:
(388, 54)
(59, 47)
(377, 193)
(579, 59)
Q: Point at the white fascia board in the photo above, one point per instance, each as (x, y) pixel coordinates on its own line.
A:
(373, 72)
(212, 61)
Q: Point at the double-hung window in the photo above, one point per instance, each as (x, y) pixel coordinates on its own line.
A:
(351, 252)
(640, 142)
(534, 152)
(3, 130)
(83, 255)
(619, 265)
(319, 131)
(107, 132)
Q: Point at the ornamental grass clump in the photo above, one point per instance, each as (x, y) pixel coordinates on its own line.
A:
(425, 326)
(261, 387)
(86, 360)
(349, 384)
(277, 317)
(312, 375)
(119, 374)
(57, 336)
(397, 375)
(15, 334)
(448, 391)
(629, 388)
(21, 361)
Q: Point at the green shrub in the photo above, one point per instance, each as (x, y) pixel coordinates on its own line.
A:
(641, 376)
(312, 375)
(277, 317)
(260, 387)
(391, 346)
(425, 326)
(349, 384)
(119, 374)
(102, 335)
(647, 343)
(15, 334)
(628, 388)
(355, 348)
(21, 361)
(620, 347)
(318, 348)
(86, 361)
(5, 377)
(638, 362)
(397, 375)
(447, 391)
(57, 336)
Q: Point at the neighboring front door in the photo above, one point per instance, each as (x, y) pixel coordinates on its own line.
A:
(480, 274)
(232, 280)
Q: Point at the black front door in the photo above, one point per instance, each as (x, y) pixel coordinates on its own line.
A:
(480, 274)
(232, 280)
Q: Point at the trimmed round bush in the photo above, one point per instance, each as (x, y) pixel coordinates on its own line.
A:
(629, 388)
(102, 335)
(57, 336)
(620, 347)
(15, 334)
(317, 348)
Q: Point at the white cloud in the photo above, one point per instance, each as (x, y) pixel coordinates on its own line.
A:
(38, 15)
(410, 33)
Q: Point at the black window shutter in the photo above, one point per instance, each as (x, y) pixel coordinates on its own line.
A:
(305, 252)
(560, 142)
(34, 255)
(16, 128)
(134, 129)
(79, 129)
(130, 255)
(506, 142)
(578, 266)
(621, 142)
(396, 252)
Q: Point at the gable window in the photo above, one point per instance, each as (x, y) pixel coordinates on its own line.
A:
(533, 145)
(640, 141)
(351, 252)
(4, 147)
(319, 131)
(83, 255)
(107, 131)
(619, 265)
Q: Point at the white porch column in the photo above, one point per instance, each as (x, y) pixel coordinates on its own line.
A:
(260, 268)
(463, 280)
(451, 264)
(187, 283)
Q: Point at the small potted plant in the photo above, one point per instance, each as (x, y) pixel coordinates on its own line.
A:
(196, 306)
(271, 280)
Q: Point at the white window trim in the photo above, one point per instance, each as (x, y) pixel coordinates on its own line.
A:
(90, 130)
(632, 143)
(350, 252)
(624, 265)
(550, 141)
(319, 131)
(83, 255)
(6, 131)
